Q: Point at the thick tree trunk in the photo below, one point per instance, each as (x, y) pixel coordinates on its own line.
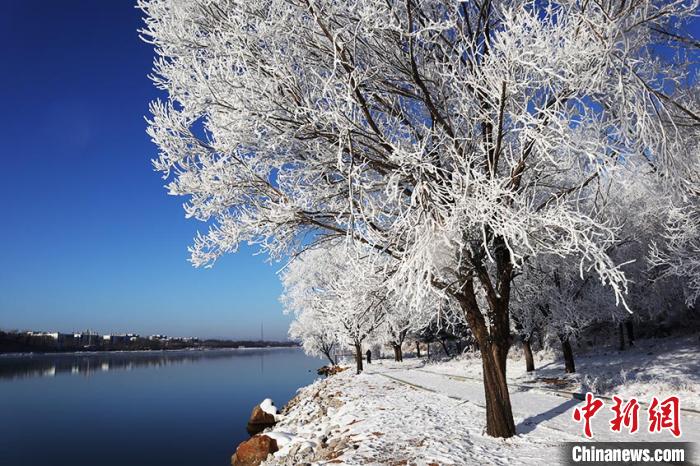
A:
(396, 352)
(569, 366)
(358, 357)
(418, 349)
(499, 414)
(529, 360)
(493, 345)
(630, 332)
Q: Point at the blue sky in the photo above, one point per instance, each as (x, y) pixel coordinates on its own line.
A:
(88, 236)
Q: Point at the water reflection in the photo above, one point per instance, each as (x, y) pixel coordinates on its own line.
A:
(179, 408)
(87, 364)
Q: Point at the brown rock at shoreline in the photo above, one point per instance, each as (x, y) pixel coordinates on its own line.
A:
(330, 370)
(259, 421)
(252, 452)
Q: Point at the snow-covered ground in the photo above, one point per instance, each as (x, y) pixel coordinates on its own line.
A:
(413, 413)
(660, 366)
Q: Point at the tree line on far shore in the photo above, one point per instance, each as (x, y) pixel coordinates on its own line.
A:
(23, 342)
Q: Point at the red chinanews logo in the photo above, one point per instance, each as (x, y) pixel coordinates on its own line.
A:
(661, 415)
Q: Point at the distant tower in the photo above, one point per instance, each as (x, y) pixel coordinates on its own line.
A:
(262, 335)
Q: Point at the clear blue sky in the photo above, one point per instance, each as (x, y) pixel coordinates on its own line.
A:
(88, 236)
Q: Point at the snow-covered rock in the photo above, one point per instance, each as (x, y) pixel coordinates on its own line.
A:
(263, 416)
(268, 406)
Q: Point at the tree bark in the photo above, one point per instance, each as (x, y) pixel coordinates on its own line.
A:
(569, 366)
(493, 345)
(358, 357)
(499, 413)
(529, 360)
(418, 349)
(427, 345)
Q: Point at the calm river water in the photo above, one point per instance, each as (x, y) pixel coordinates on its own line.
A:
(139, 409)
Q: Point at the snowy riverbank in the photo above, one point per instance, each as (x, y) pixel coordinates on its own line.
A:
(417, 413)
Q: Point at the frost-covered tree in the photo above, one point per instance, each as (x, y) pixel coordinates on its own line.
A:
(677, 253)
(316, 334)
(561, 304)
(401, 319)
(454, 137)
(445, 323)
(341, 286)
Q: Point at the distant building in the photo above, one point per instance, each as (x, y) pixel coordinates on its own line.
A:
(52, 335)
(86, 338)
(55, 336)
(116, 339)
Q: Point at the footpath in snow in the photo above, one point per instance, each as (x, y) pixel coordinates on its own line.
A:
(413, 413)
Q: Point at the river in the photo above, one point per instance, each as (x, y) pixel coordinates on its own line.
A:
(184, 408)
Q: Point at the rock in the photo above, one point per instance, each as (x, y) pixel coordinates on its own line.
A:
(330, 370)
(268, 406)
(259, 421)
(253, 451)
(259, 416)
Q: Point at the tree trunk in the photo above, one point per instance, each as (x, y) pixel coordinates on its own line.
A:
(444, 347)
(630, 332)
(499, 414)
(330, 358)
(427, 345)
(358, 357)
(529, 360)
(569, 366)
(418, 349)
(493, 345)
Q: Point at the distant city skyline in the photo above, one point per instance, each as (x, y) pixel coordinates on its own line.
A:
(90, 331)
(89, 237)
